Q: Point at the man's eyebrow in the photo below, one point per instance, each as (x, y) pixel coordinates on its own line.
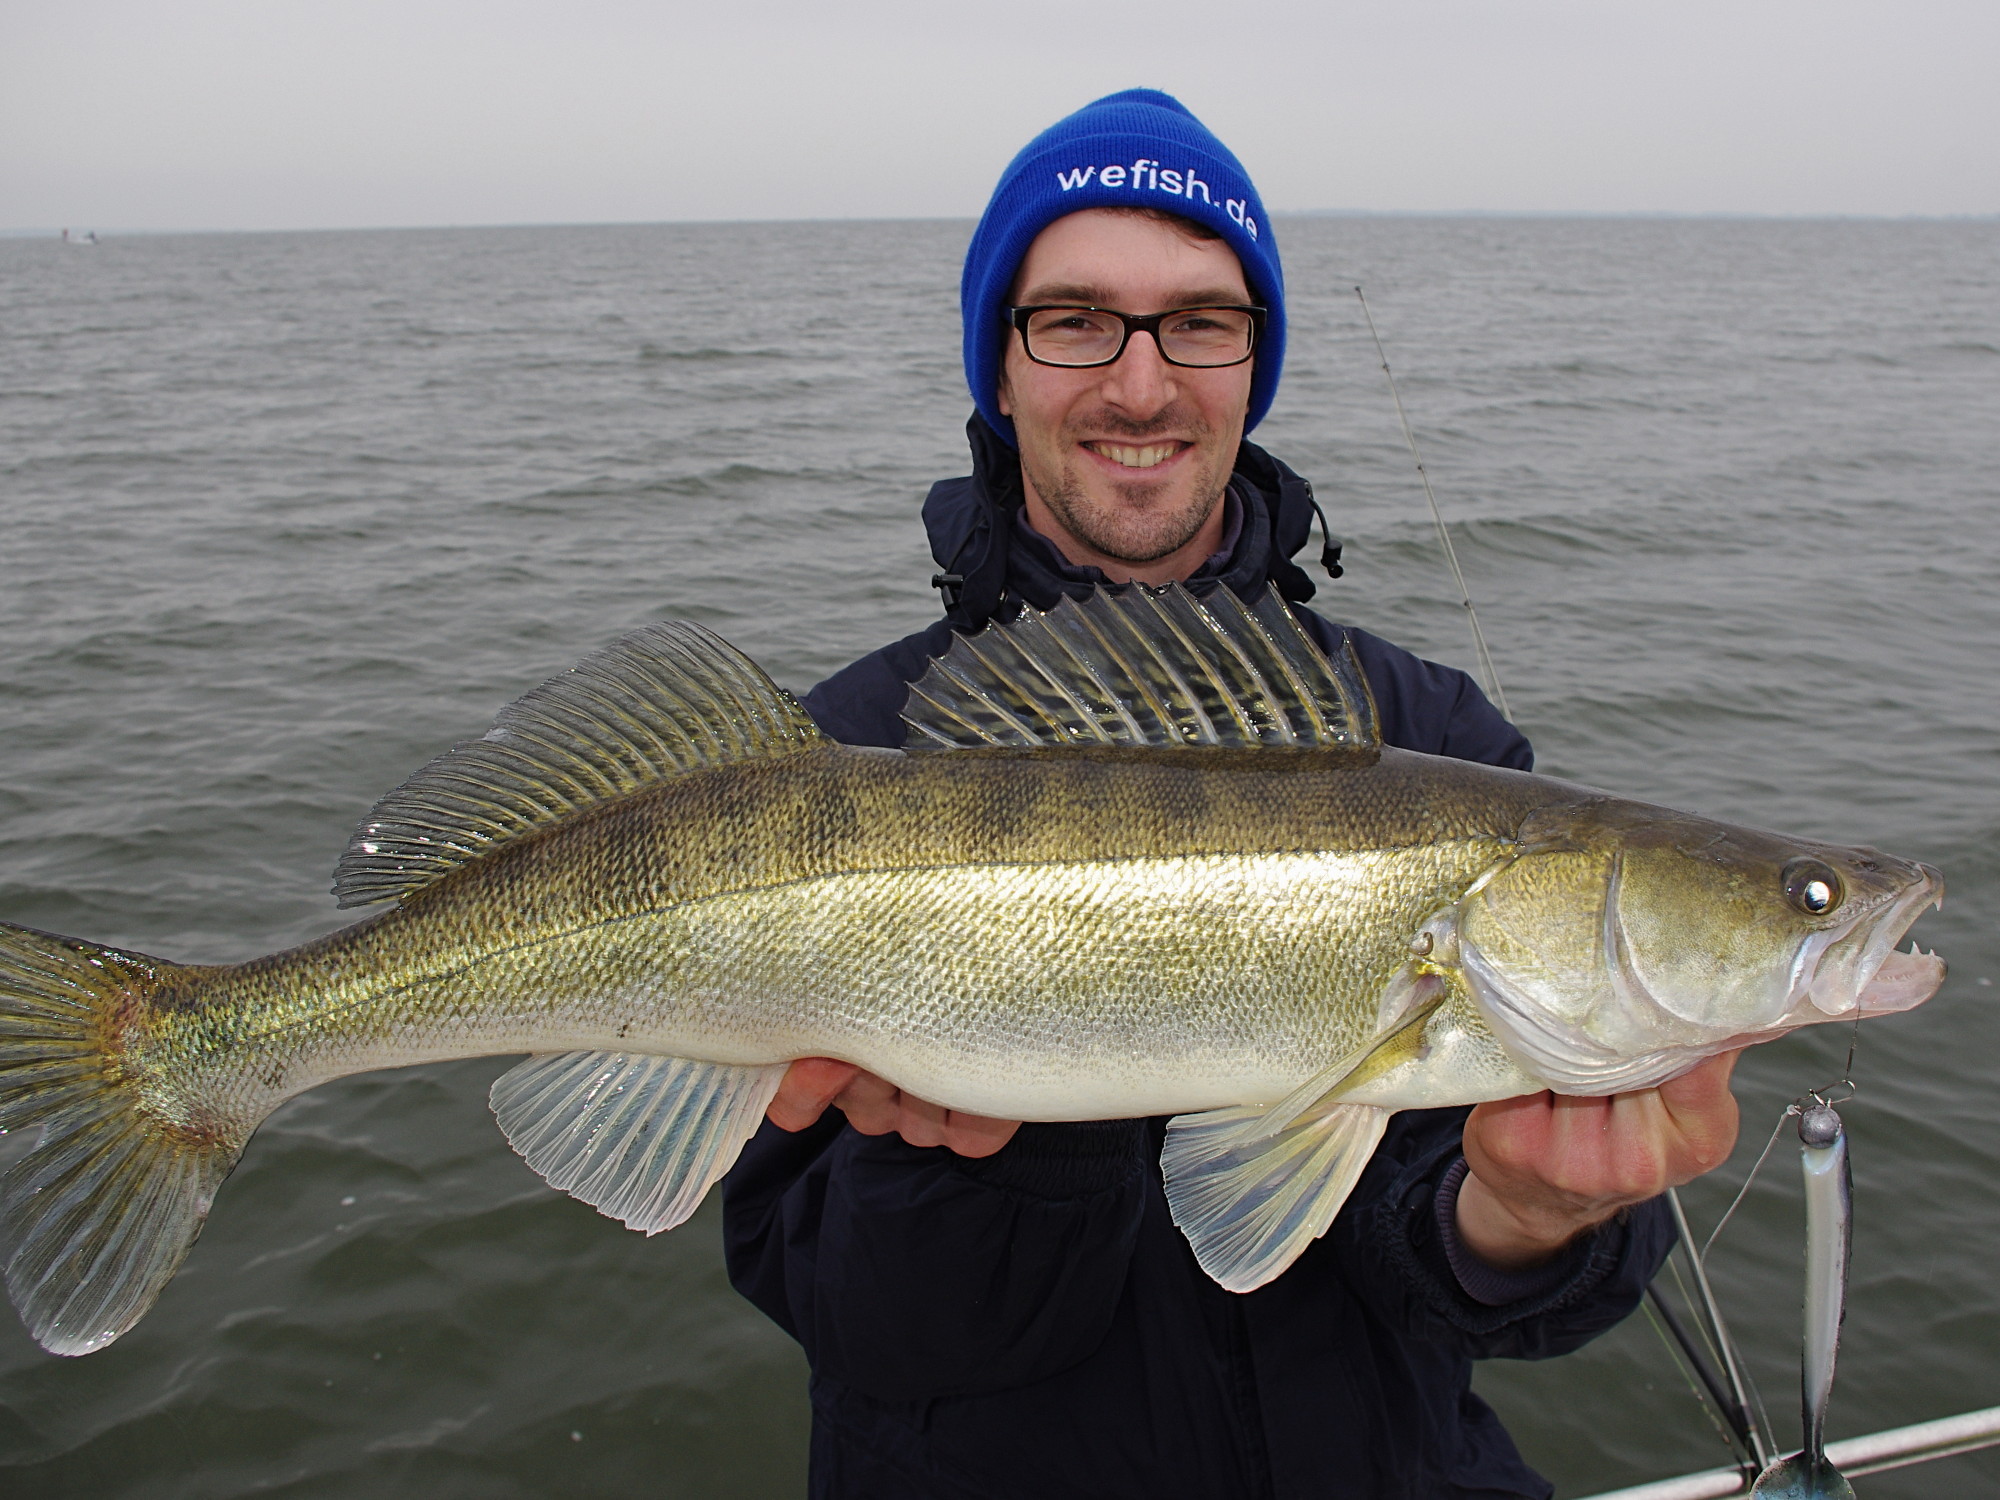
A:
(1077, 294)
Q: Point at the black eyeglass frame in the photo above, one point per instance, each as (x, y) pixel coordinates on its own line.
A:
(1136, 323)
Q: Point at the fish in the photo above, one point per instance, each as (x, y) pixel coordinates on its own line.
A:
(1143, 854)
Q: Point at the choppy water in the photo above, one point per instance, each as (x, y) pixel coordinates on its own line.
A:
(282, 515)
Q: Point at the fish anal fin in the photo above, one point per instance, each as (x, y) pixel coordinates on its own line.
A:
(639, 1138)
(1250, 1201)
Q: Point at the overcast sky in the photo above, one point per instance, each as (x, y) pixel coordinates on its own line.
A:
(240, 114)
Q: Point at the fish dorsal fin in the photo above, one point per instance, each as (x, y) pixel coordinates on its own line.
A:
(1143, 666)
(663, 700)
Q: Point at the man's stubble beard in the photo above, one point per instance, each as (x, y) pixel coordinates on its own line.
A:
(1133, 533)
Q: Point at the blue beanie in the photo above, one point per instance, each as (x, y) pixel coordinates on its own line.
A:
(1136, 149)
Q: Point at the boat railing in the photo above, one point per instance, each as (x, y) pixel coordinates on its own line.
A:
(1878, 1451)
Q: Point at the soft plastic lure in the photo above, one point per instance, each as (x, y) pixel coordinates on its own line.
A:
(1806, 1475)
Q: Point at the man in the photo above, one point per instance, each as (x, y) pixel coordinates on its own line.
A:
(1003, 1310)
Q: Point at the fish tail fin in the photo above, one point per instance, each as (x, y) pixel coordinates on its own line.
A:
(99, 1213)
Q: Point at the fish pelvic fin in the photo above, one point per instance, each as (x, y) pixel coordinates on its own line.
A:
(1144, 666)
(1250, 1201)
(1252, 1186)
(99, 1214)
(639, 1138)
(664, 700)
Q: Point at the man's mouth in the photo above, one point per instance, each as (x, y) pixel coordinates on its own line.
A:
(1143, 456)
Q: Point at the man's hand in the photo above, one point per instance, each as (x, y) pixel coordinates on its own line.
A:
(1546, 1168)
(875, 1106)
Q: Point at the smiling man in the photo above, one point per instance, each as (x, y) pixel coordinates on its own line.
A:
(1004, 1311)
(1125, 457)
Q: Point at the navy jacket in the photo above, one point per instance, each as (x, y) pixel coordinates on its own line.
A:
(1033, 1324)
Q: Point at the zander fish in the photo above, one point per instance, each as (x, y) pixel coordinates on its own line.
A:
(1146, 855)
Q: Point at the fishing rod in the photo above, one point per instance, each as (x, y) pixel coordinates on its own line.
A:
(1437, 517)
(1732, 1419)
(1737, 1409)
(1729, 1395)
(1739, 1412)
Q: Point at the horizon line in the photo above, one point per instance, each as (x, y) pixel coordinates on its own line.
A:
(1739, 215)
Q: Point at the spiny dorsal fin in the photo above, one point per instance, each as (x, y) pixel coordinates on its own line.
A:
(663, 700)
(1143, 666)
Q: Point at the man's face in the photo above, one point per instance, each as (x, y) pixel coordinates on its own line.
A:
(1125, 464)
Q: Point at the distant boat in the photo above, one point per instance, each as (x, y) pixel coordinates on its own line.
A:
(88, 237)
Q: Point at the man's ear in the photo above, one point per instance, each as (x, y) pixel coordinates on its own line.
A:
(1003, 397)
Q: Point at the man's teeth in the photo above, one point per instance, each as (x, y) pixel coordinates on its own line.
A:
(1136, 458)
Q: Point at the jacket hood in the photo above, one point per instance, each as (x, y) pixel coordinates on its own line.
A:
(972, 524)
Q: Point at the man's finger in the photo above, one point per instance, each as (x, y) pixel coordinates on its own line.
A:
(920, 1122)
(1701, 1086)
(1704, 1113)
(977, 1135)
(809, 1086)
(873, 1106)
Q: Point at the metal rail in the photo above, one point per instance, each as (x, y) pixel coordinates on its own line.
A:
(1894, 1449)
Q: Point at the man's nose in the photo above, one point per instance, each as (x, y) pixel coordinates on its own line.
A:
(1140, 380)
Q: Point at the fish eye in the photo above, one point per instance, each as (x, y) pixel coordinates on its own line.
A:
(1814, 888)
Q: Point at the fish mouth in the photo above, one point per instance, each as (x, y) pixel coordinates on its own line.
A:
(1859, 968)
(1902, 982)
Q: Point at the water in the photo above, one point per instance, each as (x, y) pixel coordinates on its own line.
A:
(286, 514)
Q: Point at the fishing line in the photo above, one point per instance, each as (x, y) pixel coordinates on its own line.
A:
(1839, 1091)
(1743, 1192)
(1437, 517)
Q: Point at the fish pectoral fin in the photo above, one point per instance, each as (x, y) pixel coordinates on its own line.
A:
(1250, 1201)
(638, 1137)
(1252, 1187)
(1402, 1042)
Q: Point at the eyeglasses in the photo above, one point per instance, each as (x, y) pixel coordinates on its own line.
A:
(1201, 338)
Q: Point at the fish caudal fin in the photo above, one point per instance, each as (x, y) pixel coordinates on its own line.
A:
(99, 1214)
(639, 1138)
(1250, 1200)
